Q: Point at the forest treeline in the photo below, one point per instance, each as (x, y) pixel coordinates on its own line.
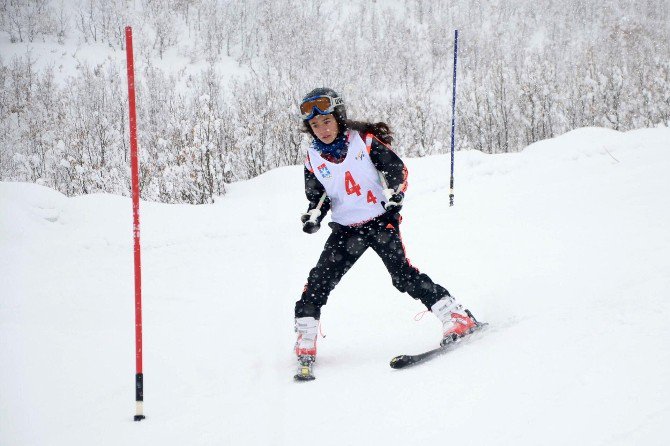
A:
(528, 70)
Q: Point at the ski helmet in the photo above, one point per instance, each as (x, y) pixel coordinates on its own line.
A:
(339, 112)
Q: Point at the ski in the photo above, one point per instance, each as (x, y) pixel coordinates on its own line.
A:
(305, 368)
(402, 361)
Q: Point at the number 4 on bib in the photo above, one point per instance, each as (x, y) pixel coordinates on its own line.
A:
(350, 184)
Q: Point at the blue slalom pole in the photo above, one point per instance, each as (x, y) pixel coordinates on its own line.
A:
(453, 121)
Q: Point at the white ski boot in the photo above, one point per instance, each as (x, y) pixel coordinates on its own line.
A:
(307, 329)
(456, 321)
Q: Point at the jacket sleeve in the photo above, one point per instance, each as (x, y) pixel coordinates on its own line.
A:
(389, 163)
(314, 190)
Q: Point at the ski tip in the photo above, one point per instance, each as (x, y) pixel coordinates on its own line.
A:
(399, 362)
(300, 378)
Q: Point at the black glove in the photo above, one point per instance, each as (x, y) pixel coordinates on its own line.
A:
(394, 200)
(311, 221)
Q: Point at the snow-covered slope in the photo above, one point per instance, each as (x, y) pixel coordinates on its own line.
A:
(563, 248)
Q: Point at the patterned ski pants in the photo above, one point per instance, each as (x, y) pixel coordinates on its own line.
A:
(344, 247)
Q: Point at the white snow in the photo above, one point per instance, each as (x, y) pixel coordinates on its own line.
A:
(562, 248)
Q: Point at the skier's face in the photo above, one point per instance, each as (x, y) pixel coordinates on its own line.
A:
(324, 127)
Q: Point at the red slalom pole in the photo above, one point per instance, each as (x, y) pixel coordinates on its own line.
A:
(135, 187)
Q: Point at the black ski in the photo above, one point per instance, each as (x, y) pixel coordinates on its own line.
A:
(305, 368)
(402, 361)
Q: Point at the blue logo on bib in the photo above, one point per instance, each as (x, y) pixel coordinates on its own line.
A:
(323, 170)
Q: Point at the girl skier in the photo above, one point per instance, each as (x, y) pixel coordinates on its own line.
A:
(351, 170)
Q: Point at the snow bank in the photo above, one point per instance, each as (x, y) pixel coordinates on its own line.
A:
(562, 248)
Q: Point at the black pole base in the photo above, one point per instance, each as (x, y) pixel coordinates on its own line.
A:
(139, 396)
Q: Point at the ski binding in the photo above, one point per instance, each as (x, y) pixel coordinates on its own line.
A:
(305, 368)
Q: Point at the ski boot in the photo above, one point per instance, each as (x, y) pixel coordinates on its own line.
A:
(305, 347)
(456, 321)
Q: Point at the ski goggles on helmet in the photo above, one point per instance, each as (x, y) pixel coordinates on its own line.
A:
(322, 105)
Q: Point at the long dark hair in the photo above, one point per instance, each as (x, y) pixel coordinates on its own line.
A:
(380, 130)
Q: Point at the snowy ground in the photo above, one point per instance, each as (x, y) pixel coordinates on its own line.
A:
(563, 248)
